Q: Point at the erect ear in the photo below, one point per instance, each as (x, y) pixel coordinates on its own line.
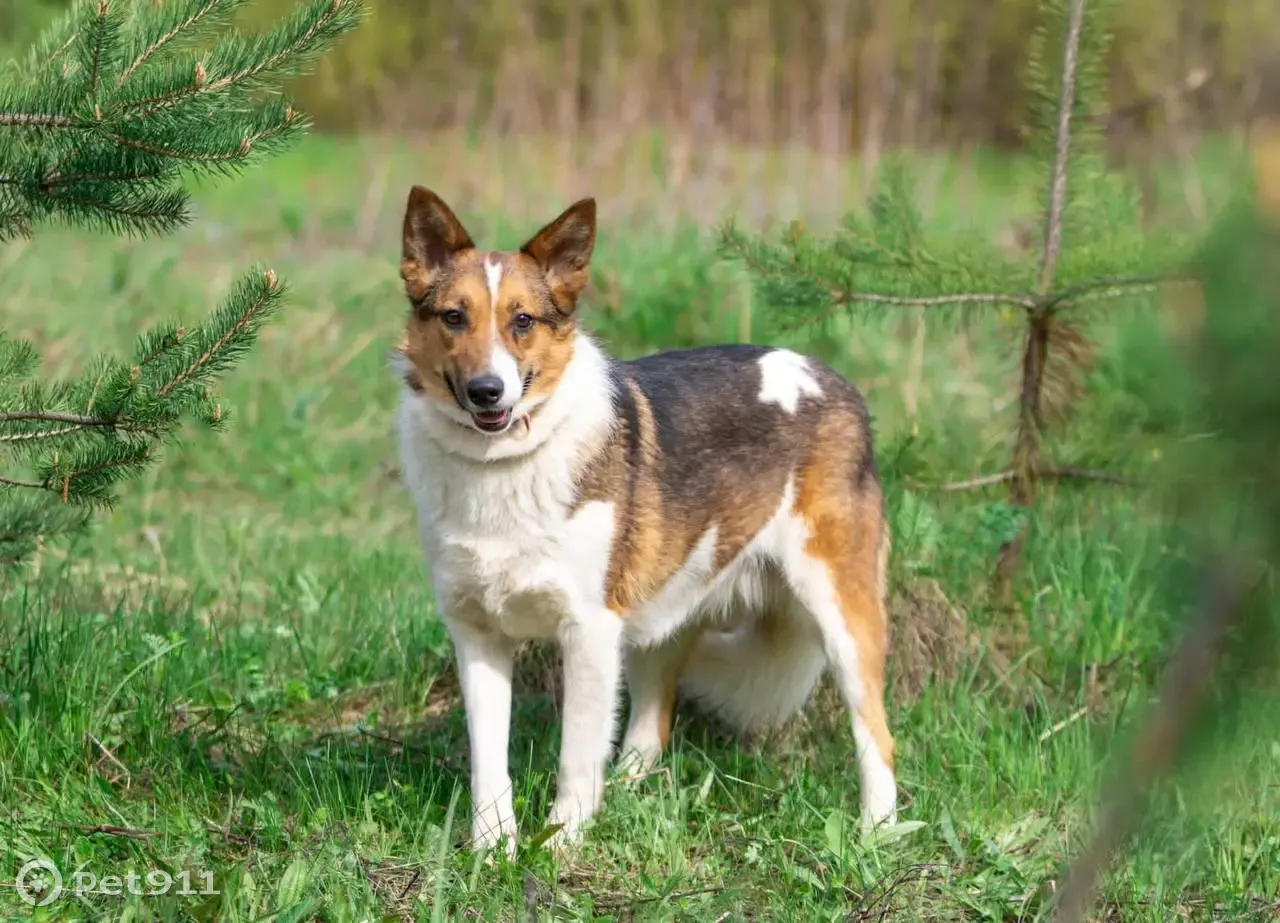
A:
(432, 236)
(563, 250)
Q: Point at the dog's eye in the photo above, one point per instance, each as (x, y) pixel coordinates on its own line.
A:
(454, 318)
(523, 321)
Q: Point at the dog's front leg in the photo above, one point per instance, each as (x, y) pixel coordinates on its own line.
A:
(591, 652)
(484, 669)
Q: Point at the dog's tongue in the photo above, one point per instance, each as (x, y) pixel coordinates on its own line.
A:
(491, 416)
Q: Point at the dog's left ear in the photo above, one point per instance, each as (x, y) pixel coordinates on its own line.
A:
(563, 250)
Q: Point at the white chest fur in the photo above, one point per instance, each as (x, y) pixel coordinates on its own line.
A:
(506, 549)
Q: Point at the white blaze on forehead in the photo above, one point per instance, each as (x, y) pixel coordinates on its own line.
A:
(493, 276)
(784, 376)
(501, 362)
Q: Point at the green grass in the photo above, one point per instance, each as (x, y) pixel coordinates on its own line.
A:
(241, 672)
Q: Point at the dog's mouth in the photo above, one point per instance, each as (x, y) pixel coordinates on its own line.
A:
(492, 421)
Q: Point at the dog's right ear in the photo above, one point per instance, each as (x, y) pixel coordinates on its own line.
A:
(432, 236)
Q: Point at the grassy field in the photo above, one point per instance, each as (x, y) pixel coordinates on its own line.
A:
(241, 673)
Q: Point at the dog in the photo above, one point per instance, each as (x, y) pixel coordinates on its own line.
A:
(707, 522)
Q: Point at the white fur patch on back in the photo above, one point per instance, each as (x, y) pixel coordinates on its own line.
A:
(784, 377)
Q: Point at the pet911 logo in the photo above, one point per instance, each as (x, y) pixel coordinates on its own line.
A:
(40, 883)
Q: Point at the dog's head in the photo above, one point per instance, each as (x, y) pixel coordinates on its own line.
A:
(490, 333)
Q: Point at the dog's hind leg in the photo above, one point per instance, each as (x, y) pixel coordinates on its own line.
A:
(836, 567)
(653, 675)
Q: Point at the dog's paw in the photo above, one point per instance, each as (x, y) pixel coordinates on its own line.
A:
(494, 827)
(565, 842)
(637, 759)
(493, 847)
(875, 821)
(491, 852)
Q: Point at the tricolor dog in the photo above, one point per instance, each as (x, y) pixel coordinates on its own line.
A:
(706, 522)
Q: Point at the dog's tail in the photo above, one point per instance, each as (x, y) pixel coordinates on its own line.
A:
(755, 676)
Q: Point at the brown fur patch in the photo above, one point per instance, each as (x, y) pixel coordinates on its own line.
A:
(647, 548)
(656, 530)
(847, 534)
(738, 524)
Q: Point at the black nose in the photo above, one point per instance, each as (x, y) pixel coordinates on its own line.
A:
(484, 391)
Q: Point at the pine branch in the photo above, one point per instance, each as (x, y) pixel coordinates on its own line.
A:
(74, 423)
(1050, 473)
(934, 301)
(250, 316)
(36, 120)
(840, 301)
(184, 22)
(57, 181)
(1106, 288)
(793, 265)
(29, 518)
(310, 25)
(108, 138)
(240, 150)
(84, 438)
(52, 45)
(100, 36)
(39, 434)
(90, 479)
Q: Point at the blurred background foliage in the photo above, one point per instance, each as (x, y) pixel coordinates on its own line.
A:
(691, 85)
(837, 72)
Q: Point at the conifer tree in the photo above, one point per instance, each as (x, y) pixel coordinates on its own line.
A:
(112, 109)
(1093, 250)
